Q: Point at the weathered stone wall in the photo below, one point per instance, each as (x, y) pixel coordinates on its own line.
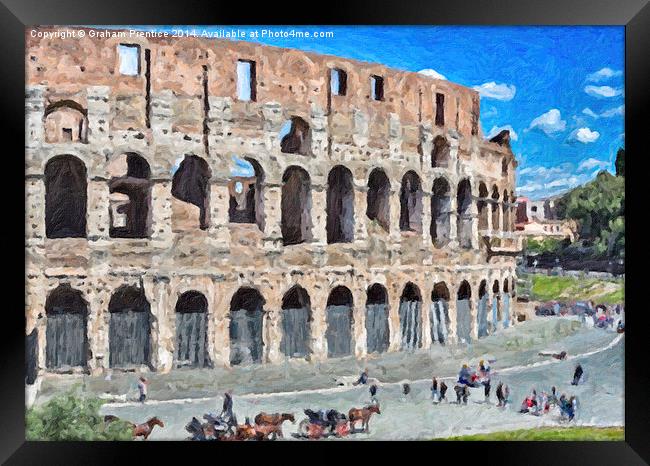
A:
(395, 134)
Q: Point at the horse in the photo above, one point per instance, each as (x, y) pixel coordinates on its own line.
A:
(363, 415)
(271, 424)
(144, 430)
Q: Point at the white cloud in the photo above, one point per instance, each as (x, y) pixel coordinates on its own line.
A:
(604, 73)
(432, 73)
(549, 122)
(489, 112)
(530, 187)
(603, 91)
(620, 110)
(591, 163)
(584, 135)
(497, 129)
(496, 91)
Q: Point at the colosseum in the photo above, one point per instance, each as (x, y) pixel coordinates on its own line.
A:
(198, 202)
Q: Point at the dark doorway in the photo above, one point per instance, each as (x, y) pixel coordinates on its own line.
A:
(129, 329)
(296, 206)
(377, 328)
(410, 317)
(440, 212)
(439, 312)
(378, 200)
(464, 312)
(191, 183)
(65, 197)
(131, 219)
(339, 322)
(246, 325)
(482, 316)
(296, 323)
(410, 203)
(340, 206)
(192, 330)
(66, 338)
(464, 209)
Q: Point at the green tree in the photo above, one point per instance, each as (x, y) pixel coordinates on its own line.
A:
(73, 417)
(620, 162)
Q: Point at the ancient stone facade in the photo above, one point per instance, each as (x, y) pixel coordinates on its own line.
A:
(383, 180)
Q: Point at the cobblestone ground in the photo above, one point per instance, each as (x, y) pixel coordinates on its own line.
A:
(601, 395)
(510, 347)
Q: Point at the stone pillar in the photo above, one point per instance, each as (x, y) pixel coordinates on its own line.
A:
(318, 298)
(98, 207)
(34, 111)
(161, 116)
(319, 214)
(360, 218)
(161, 213)
(360, 337)
(426, 220)
(393, 201)
(393, 319)
(426, 319)
(453, 222)
(273, 217)
(35, 211)
(498, 324)
(218, 232)
(474, 213)
(158, 293)
(453, 313)
(220, 330)
(99, 111)
(98, 326)
(473, 333)
(273, 328)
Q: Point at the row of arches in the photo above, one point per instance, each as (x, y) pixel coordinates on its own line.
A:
(130, 201)
(130, 322)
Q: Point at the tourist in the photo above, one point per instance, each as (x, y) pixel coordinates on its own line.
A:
(577, 375)
(226, 411)
(434, 390)
(500, 397)
(464, 376)
(373, 393)
(443, 391)
(363, 378)
(484, 377)
(142, 389)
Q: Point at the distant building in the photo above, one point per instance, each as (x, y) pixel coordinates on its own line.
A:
(537, 219)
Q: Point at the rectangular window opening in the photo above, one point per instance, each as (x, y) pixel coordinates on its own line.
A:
(129, 59)
(440, 109)
(377, 87)
(246, 81)
(338, 82)
(67, 134)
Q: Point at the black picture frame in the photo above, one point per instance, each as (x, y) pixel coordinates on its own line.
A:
(16, 15)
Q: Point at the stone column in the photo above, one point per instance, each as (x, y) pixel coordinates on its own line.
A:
(473, 333)
(319, 214)
(273, 217)
(426, 319)
(161, 213)
(426, 220)
(99, 221)
(474, 213)
(453, 222)
(35, 212)
(218, 232)
(220, 330)
(360, 337)
(318, 297)
(393, 201)
(360, 218)
(393, 318)
(98, 326)
(158, 293)
(273, 328)
(453, 313)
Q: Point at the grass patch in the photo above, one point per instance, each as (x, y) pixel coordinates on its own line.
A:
(550, 434)
(546, 288)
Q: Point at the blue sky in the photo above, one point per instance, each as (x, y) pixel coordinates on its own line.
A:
(559, 89)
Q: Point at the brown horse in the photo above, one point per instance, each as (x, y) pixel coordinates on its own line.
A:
(363, 415)
(144, 430)
(271, 424)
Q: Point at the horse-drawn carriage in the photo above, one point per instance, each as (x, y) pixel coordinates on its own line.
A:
(266, 427)
(323, 423)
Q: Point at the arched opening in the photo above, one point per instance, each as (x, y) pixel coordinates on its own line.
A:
(246, 325)
(464, 209)
(296, 206)
(410, 317)
(339, 322)
(130, 199)
(410, 198)
(440, 212)
(378, 207)
(65, 197)
(439, 312)
(377, 329)
(506, 211)
(192, 330)
(129, 329)
(506, 303)
(340, 206)
(66, 341)
(246, 192)
(495, 209)
(440, 155)
(65, 121)
(191, 184)
(482, 207)
(482, 315)
(296, 323)
(496, 305)
(295, 137)
(464, 312)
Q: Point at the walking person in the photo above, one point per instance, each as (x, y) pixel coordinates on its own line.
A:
(363, 378)
(577, 375)
(434, 390)
(484, 374)
(500, 398)
(142, 389)
(226, 411)
(373, 394)
(443, 391)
